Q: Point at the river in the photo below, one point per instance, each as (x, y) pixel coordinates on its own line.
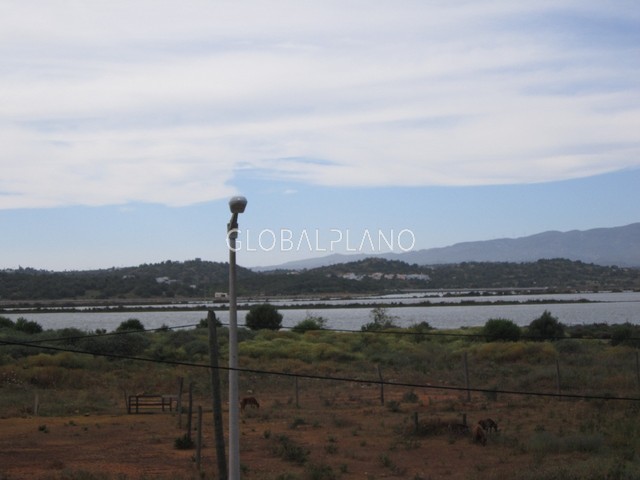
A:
(445, 311)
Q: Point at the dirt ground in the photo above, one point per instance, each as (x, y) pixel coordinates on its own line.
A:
(348, 435)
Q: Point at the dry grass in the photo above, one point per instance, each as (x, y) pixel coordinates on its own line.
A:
(332, 429)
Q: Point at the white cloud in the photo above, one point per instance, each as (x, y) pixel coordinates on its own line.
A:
(163, 101)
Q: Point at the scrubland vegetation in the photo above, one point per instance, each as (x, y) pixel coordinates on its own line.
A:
(335, 403)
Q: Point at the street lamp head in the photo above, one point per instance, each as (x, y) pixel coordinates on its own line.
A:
(237, 204)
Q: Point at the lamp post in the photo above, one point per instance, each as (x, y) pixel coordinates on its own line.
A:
(237, 206)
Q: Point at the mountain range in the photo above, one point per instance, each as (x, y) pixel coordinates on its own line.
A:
(601, 246)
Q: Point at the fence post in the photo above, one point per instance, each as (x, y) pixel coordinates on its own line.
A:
(179, 402)
(190, 411)
(297, 394)
(199, 439)
(558, 376)
(381, 385)
(466, 377)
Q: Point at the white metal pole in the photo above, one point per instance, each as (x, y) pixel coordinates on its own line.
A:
(234, 414)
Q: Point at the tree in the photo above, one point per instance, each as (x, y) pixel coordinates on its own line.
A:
(546, 327)
(6, 323)
(382, 320)
(501, 329)
(131, 325)
(27, 326)
(263, 316)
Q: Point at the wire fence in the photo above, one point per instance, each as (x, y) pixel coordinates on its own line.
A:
(461, 377)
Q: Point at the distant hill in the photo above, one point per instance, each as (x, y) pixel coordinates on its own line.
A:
(196, 279)
(601, 246)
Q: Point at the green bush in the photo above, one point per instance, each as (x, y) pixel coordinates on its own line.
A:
(131, 325)
(545, 327)
(625, 334)
(501, 329)
(27, 326)
(126, 344)
(320, 471)
(421, 330)
(310, 323)
(263, 316)
(382, 320)
(6, 322)
(285, 448)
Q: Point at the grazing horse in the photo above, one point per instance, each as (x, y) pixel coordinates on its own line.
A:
(249, 401)
(487, 424)
(478, 435)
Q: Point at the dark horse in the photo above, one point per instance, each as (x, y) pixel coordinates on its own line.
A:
(249, 401)
(487, 424)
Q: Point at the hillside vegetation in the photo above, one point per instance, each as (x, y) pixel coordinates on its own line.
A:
(201, 279)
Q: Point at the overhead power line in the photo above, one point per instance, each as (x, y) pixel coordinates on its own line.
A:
(328, 377)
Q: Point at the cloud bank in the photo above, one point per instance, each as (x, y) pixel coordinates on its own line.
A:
(106, 103)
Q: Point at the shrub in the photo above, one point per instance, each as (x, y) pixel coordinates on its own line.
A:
(131, 325)
(263, 316)
(123, 345)
(6, 322)
(310, 323)
(421, 331)
(297, 422)
(382, 320)
(624, 335)
(27, 326)
(288, 450)
(410, 397)
(501, 329)
(545, 327)
(320, 471)
(184, 442)
(70, 336)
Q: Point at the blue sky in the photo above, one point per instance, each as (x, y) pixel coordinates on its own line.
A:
(127, 126)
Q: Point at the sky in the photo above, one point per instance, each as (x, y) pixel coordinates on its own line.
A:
(350, 127)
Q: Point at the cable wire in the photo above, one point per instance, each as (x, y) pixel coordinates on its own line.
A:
(327, 377)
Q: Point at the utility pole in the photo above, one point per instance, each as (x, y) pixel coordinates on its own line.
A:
(215, 395)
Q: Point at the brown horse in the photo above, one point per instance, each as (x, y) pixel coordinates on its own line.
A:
(248, 401)
(487, 424)
(478, 435)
